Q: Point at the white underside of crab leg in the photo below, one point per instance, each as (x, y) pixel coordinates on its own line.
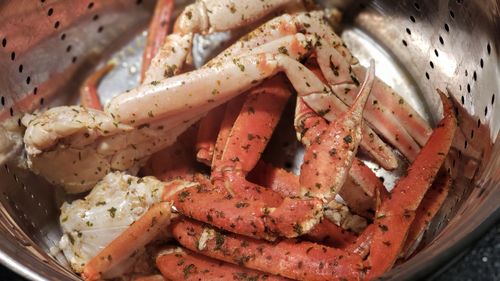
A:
(204, 89)
(383, 122)
(414, 124)
(207, 16)
(169, 60)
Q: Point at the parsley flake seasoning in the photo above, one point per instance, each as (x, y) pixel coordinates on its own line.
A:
(112, 212)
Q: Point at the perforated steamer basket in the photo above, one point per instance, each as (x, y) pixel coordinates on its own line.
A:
(47, 47)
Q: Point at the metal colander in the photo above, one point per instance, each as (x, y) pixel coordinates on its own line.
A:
(48, 46)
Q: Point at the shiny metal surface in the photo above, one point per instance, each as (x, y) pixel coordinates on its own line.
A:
(50, 46)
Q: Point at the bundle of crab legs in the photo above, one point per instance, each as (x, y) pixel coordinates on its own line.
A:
(245, 219)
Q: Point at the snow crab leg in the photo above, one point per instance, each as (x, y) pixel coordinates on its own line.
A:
(157, 32)
(250, 130)
(88, 91)
(397, 212)
(340, 139)
(207, 135)
(197, 18)
(337, 66)
(176, 263)
(428, 208)
(383, 241)
(370, 142)
(159, 116)
(156, 35)
(194, 19)
(232, 109)
(288, 258)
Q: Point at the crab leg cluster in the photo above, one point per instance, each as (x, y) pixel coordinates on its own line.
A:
(382, 241)
(369, 255)
(258, 221)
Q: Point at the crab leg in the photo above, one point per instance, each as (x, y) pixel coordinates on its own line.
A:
(338, 217)
(330, 234)
(174, 97)
(88, 91)
(140, 233)
(430, 205)
(213, 15)
(249, 217)
(397, 212)
(255, 124)
(207, 135)
(169, 59)
(414, 124)
(336, 65)
(248, 138)
(156, 35)
(224, 175)
(377, 113)
(288, 258)
(242, 46)
(359, 188)
(233, 108)
(179, 264)
(157, 32)
(203, 17)
(265, 103)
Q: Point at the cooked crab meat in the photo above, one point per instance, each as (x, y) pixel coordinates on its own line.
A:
(90, 224)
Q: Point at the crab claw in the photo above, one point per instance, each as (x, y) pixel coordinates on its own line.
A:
(335, 147)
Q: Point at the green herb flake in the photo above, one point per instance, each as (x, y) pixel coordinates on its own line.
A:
(112, 212)
(191, 268)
